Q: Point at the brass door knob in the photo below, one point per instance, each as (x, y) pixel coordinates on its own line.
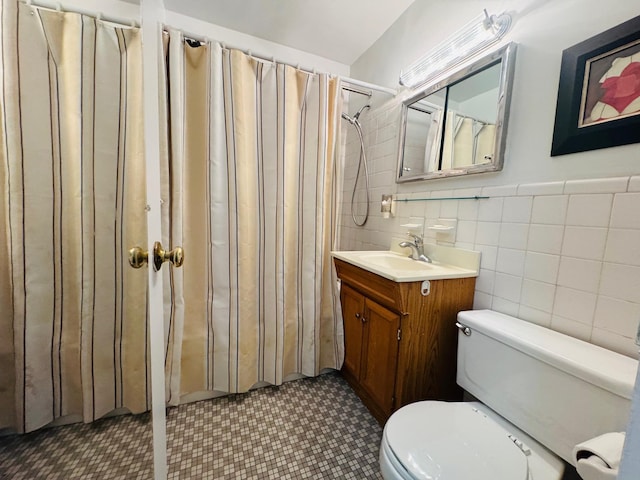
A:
(160, 255)
(138, 257)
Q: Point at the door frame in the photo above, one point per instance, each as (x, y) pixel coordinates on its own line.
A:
(152, 18)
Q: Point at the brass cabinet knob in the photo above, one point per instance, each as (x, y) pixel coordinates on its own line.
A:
(138, 257)
(160, 255)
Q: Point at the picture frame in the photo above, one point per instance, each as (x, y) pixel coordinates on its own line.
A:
(599, 92)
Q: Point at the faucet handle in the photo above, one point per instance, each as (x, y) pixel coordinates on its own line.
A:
(417, 238)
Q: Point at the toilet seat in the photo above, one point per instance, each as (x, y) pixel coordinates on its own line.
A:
(442, 441)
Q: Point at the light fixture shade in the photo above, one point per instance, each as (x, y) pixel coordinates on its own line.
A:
(474, 37)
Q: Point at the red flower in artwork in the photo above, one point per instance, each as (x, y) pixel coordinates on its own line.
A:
(620, 91)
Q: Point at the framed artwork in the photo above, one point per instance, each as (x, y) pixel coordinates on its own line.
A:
(599, 93)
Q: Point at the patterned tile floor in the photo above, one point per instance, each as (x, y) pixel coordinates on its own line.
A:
(313, 428)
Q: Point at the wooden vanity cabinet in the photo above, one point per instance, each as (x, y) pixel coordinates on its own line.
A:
(371, 346)
(400, 346)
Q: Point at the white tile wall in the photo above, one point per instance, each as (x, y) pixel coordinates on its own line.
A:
(510, 261)
(482, 301)
(621, 281)
(505, 306)
(514, 235)
(467, 231)
(616, 316)
(489, 255)
(542, 267)
(597, 185)
(535, 316)
(485, 281)
(545, 238)
(538, 295)
(517, 210)
(634, 184)
(545, 188)
(575, 305)
(565, 255)
(490, 210)
(550, 209)
(488, 233)
(579, 274)
(623, 246)
(584, 242)
(625, 211)
(589, 210)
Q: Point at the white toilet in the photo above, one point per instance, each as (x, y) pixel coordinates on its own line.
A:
(560, 390)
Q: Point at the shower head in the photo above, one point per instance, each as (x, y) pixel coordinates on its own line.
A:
(348, 118)
(357, 115)
(353, 120)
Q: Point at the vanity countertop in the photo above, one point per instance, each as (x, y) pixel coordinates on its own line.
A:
(448, 262)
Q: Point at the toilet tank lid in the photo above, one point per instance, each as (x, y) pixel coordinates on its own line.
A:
(607, 369)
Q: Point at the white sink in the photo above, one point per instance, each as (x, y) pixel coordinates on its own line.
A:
(391, 260)
(400, 268)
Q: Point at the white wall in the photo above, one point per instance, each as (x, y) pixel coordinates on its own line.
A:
(109, 9)
(560, 237)
(125, 12)
(542, 29)
(258, 46)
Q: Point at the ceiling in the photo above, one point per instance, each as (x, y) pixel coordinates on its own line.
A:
(340, 30)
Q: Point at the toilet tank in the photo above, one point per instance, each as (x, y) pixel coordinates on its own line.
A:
(560, 390)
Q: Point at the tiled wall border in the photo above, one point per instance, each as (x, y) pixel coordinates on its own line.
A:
(563, 254)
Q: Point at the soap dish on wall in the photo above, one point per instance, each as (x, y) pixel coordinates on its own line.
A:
(445, 229)
(441, 228)
(412, 226)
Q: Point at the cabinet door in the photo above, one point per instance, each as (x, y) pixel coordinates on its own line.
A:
(380, 354)
(352, 314)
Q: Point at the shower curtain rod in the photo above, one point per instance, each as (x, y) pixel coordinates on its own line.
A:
(57, 6)
(371, 86)
(270, 58)
(352, 84)
(188, 36)
(359, 91)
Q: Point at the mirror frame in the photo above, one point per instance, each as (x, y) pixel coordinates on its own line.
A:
(505, 55)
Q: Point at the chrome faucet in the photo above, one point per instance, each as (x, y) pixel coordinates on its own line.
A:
(417, 248)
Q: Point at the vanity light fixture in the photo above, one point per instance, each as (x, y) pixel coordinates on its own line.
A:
(474, 37)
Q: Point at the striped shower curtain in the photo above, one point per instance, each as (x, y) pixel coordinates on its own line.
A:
(248, 190)
(73, 326)
(249, 186)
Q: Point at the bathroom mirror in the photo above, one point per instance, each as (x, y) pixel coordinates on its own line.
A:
(458, 125)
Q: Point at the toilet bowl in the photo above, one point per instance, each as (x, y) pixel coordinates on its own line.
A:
(540, 393)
